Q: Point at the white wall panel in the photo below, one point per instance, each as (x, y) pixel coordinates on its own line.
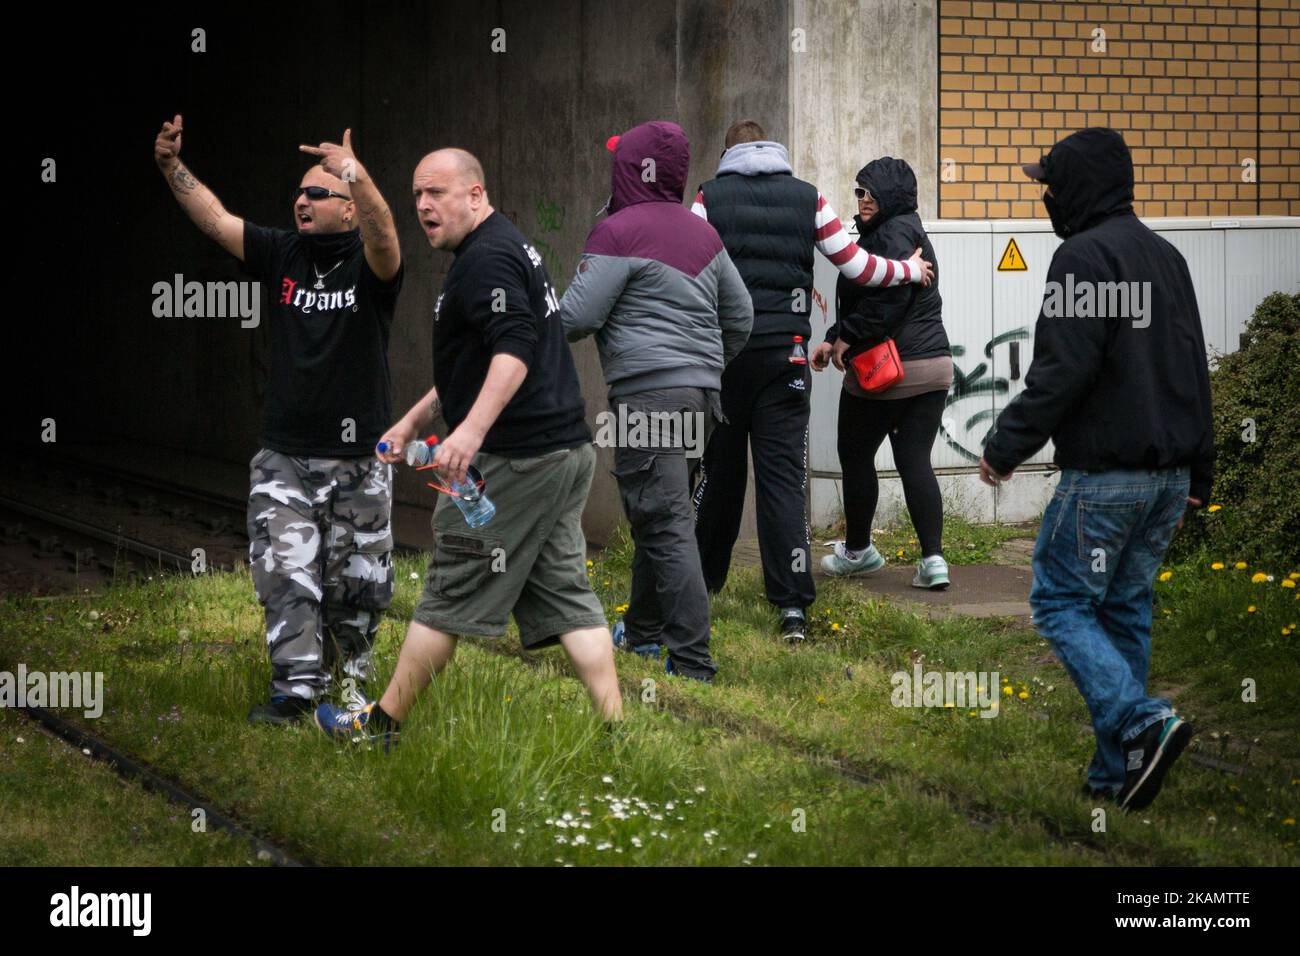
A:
(990, 316)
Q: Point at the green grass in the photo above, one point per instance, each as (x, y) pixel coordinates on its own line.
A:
(63, 809)
(795, 756)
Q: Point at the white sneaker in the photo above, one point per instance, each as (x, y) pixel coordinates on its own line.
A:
(931, 573)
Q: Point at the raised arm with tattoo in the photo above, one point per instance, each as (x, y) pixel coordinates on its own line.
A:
(378, 234)
(203, 208)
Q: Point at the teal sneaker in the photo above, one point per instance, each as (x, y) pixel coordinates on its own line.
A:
(932, 573)
(1148, 758)
(839, 564)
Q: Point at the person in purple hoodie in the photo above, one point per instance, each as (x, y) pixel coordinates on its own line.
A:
(669, 310)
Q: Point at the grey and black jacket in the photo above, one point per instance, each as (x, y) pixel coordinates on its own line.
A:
(655, 284)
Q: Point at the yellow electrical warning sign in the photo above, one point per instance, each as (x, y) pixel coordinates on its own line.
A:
(1012, 260)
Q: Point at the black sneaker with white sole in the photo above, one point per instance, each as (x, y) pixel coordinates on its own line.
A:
(1148, 757)
(793, 625)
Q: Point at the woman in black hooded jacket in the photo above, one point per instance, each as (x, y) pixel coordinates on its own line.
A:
(910, 411)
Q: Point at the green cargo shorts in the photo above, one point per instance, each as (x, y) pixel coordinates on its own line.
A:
(529, 560)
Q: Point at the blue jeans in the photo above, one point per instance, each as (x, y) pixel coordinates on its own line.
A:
(1103, 537)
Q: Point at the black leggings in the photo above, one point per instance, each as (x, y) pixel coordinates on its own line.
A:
(911, 424)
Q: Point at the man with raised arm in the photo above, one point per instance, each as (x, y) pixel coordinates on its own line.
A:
(320, 542)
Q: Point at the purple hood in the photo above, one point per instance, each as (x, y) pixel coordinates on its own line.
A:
(661, 141)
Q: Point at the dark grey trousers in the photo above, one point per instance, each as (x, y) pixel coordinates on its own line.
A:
(669, 604)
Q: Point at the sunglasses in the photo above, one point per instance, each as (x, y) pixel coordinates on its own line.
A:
(860, 193)
(318, 192)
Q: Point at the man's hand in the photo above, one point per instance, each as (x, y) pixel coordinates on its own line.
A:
(920, 267)
(167, 147)
(338, 160)
(456, 453)
(837, 353)
(821, 355)
(397, 438)
(991, 477)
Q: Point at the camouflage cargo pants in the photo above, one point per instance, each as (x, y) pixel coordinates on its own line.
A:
(320, 552)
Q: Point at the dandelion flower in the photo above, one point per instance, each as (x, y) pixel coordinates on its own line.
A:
(835, 626)
(1288, 583)
(1259, 577)
(1241, 565)
(1217, 566)
(1165, 576)
(1213, 508)
(1250, 609)
(1023, 695)
(1008, 691)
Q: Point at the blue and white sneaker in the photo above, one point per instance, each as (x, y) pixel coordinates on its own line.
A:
(840, 564)
(931, 573)
(619, 635)
(340, 723)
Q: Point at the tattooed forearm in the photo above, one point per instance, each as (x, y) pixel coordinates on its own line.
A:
(206, 211)
(182, 182)
(375, 219)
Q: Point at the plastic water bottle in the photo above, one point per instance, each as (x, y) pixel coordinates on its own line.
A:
(799, 355)
(476, 507)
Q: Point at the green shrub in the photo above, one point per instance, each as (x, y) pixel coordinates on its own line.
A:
(1256, 482)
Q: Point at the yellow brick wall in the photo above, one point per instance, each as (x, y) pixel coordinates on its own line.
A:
(1195, 86)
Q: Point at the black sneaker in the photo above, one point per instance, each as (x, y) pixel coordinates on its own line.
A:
(281, 710)
(793, 624)
(1149, 756)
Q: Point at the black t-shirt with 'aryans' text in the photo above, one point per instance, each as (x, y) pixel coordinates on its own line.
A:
(329, 346)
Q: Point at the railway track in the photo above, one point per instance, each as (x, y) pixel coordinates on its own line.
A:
(128, 768)
(67, 525)
(979, 814)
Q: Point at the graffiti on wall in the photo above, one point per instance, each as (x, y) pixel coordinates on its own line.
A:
(969, 412)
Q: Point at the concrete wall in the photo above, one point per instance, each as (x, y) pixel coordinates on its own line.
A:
(864, 86)
(407, 78)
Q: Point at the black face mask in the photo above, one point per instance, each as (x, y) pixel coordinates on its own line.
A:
(331, 246)
(1055, 214)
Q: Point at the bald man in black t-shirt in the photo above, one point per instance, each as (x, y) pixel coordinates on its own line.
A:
(320, 502)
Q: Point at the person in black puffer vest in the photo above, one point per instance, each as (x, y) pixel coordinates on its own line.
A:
(771, 224)
(909, 412)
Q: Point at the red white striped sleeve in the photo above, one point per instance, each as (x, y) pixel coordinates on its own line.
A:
(854, 262)
(697, 207)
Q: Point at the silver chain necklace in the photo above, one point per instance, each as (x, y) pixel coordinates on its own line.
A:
(320, 279)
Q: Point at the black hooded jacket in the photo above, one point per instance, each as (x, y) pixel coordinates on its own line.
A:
(1126, 390)
(911, 313)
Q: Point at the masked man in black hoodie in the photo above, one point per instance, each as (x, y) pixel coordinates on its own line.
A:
(1120, 383)
(319, 503)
